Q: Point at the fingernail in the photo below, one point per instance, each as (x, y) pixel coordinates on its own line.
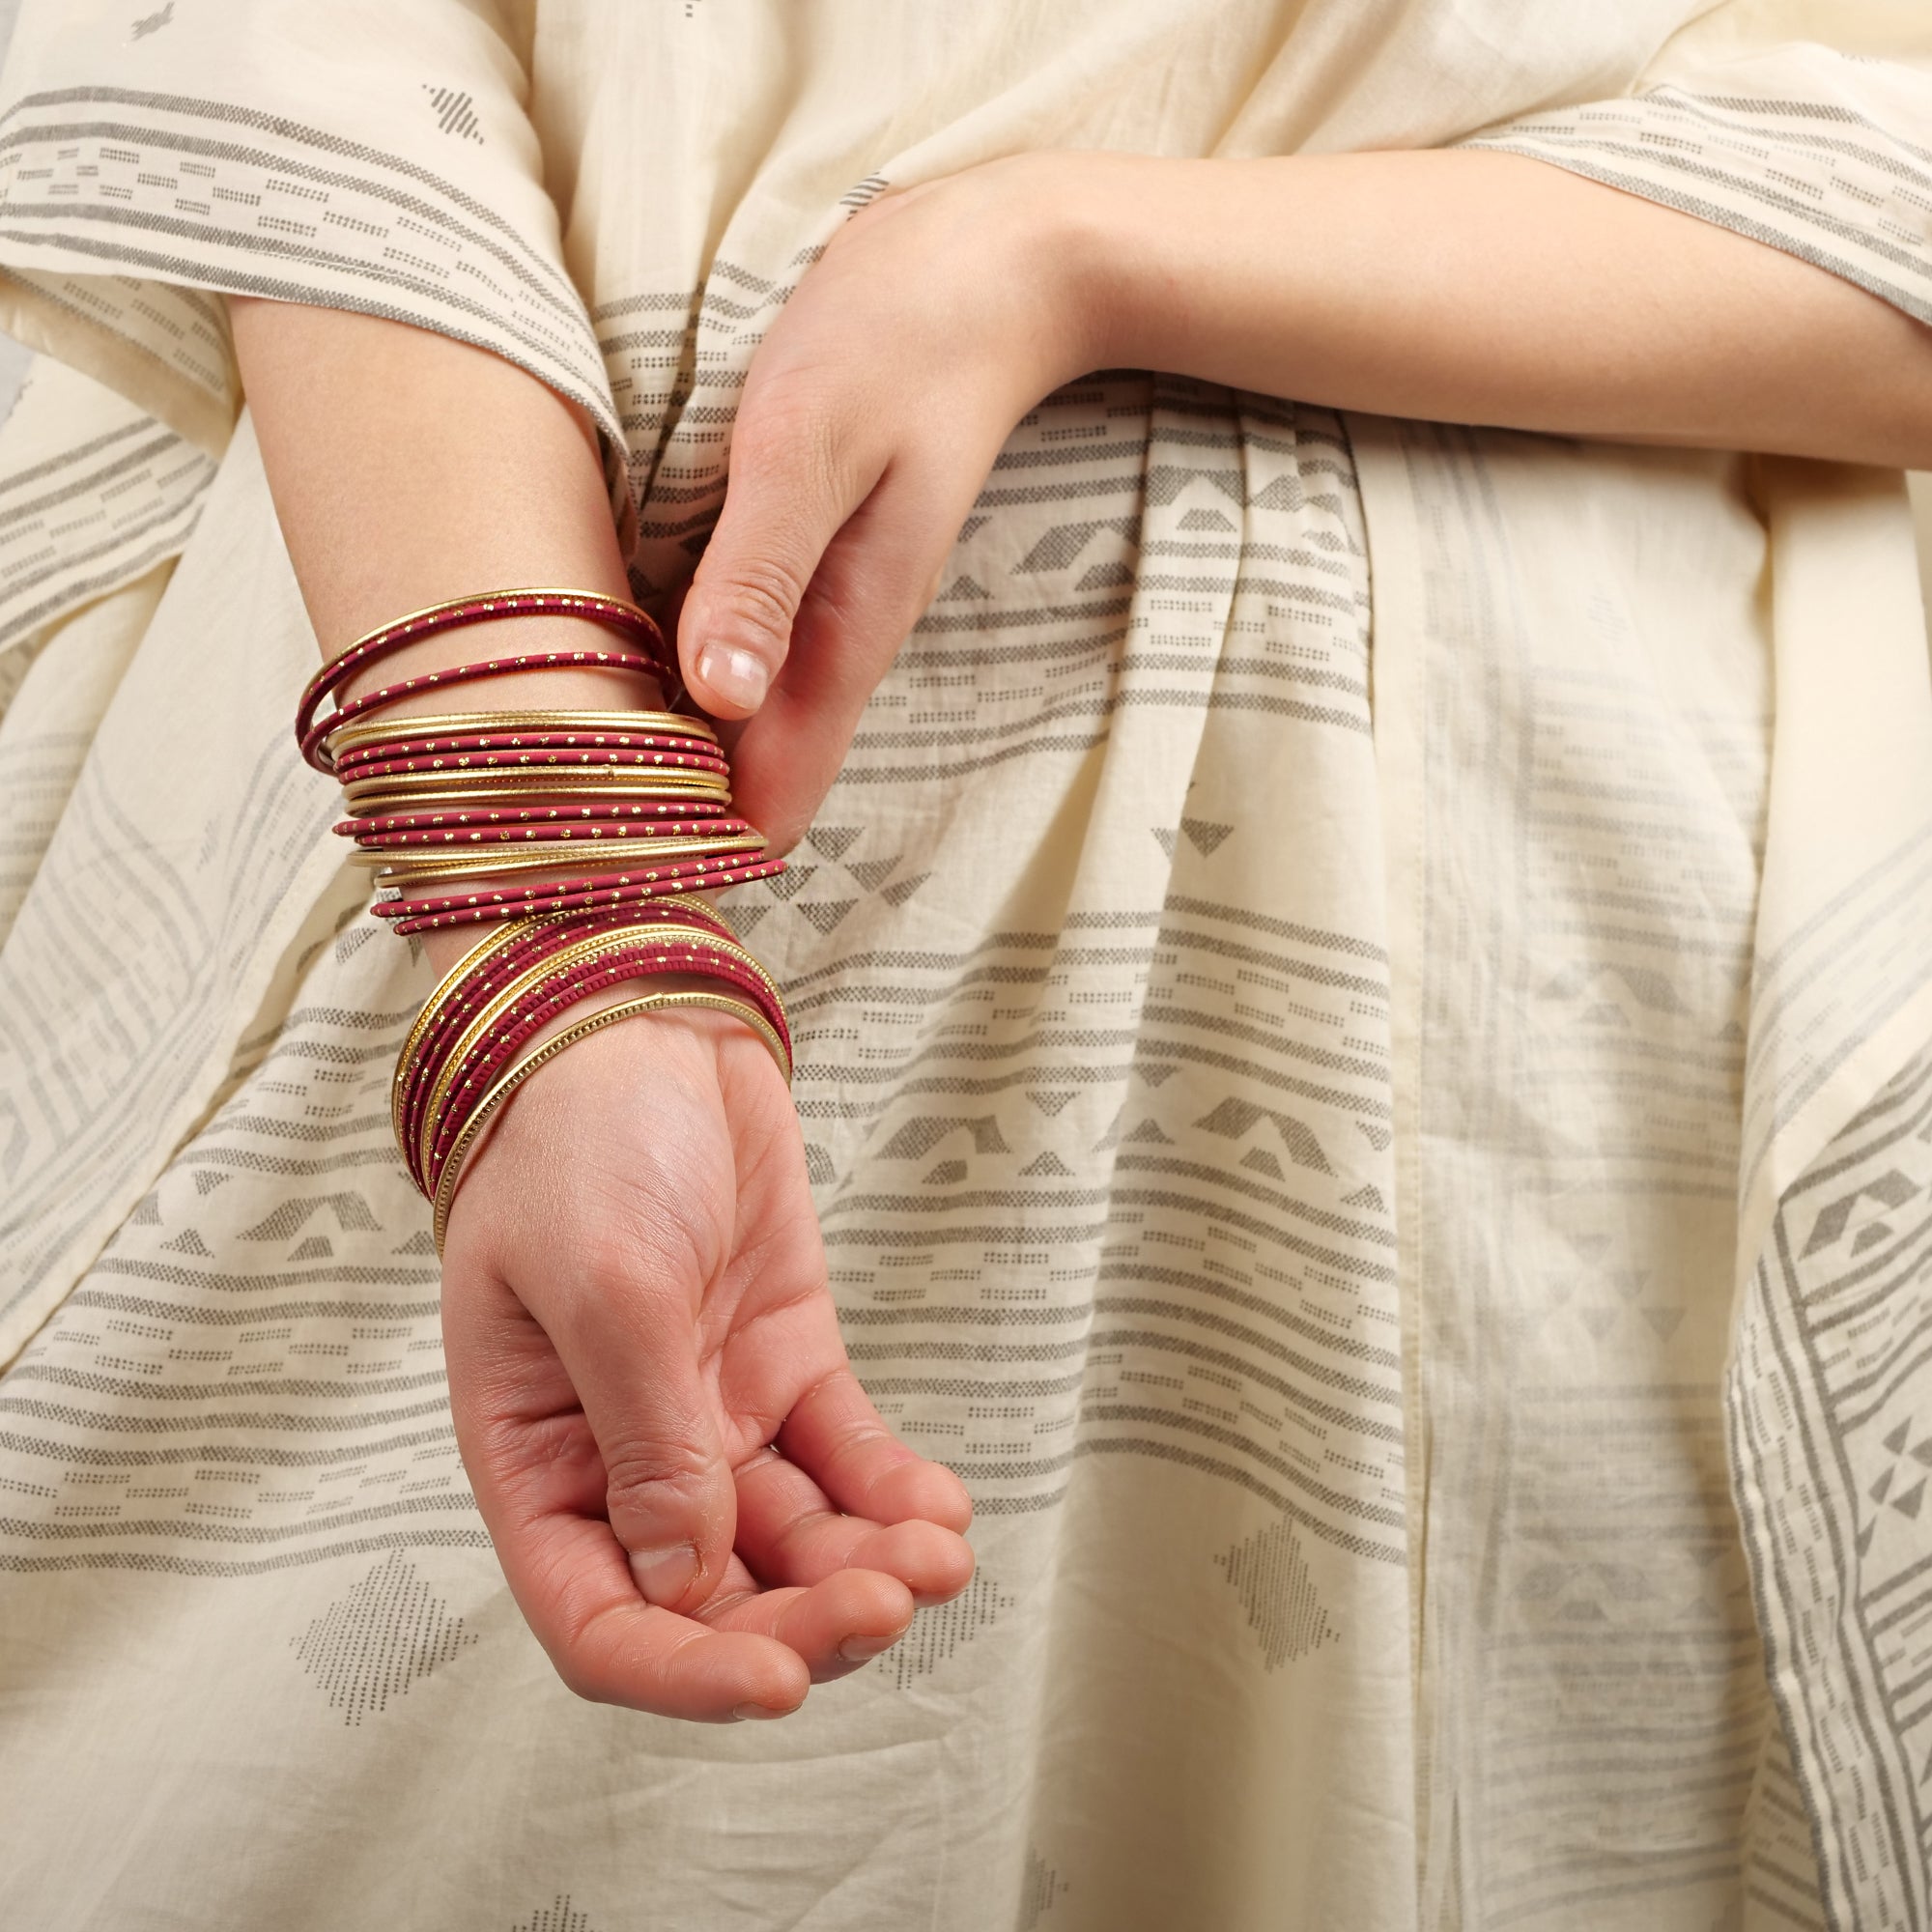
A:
(736, 677)
(862, 1649)
(758, 1710)
(663, 1576)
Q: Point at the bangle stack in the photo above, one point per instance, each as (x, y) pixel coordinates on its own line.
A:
(591, 828)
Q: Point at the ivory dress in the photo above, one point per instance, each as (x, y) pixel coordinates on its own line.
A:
(1365, 1011)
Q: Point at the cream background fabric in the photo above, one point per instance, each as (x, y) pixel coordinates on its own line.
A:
(1362, 1004)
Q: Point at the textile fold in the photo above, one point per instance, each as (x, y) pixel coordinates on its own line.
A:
(1363, 1001)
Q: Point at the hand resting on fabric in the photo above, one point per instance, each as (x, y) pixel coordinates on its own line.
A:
(636, 1305)
(635, 1295)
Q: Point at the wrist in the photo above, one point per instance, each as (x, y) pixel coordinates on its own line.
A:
(1071, 236)
(1044, 234)
(1143, 255)
(1107, 249)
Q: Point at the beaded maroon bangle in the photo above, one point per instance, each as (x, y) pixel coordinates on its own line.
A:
(669, 812)
(408, 838)
(655, 655)
(412, 916)
(561, 762)
(614, 816)
(483, 738)
(480, 1068)
(313, 739)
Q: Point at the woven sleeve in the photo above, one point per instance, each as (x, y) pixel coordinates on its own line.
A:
(359, 156)
(1823, 155)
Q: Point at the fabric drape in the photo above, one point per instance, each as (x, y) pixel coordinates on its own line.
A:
(1363, 1001)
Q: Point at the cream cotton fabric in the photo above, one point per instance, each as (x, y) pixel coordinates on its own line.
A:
(1364, 1005)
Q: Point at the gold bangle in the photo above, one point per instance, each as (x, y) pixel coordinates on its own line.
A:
(680, 779)
(463, 724)
(405, 867)
(487, 1108)
(492, 943)
(583, 952)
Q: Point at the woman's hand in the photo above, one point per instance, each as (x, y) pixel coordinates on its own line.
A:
(635, 1299)
(871, 413)
(635, 1310)
(1458, 286)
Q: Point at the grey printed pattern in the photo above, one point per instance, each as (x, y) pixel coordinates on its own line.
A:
(144, 1403)
(1587, 1603)
(123, 498)
(1828, 1419)
(254, 203)
(1100, 1003)
(1776, 159)
(369, 1646)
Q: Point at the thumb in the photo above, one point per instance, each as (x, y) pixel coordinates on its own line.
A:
(668, 1489)
(793, 483)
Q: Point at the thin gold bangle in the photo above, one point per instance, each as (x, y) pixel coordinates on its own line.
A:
(538, 777)
(398, 868)
(463, 724)
(487, 1109)
(583, 952)
(488, 947)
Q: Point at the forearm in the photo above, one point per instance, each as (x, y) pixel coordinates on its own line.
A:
(1483, 288)
(408, 469)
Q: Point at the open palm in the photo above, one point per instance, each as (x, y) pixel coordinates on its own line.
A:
(697, 1508)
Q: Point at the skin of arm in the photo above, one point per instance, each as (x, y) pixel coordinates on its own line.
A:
(1457, 286)
(635, 1310)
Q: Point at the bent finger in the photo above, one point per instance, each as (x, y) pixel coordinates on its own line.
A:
(840, 1439)
(789, 1533)
(832, 1627)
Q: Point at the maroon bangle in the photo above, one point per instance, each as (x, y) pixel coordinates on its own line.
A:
(596, 831)
(313, 743)
(365, 768)
(611, 612)
(515, 1028)
(410, 762)
(675, 812)
(404, 742)
(480, 1068)
(543, 938)
(435, 915)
